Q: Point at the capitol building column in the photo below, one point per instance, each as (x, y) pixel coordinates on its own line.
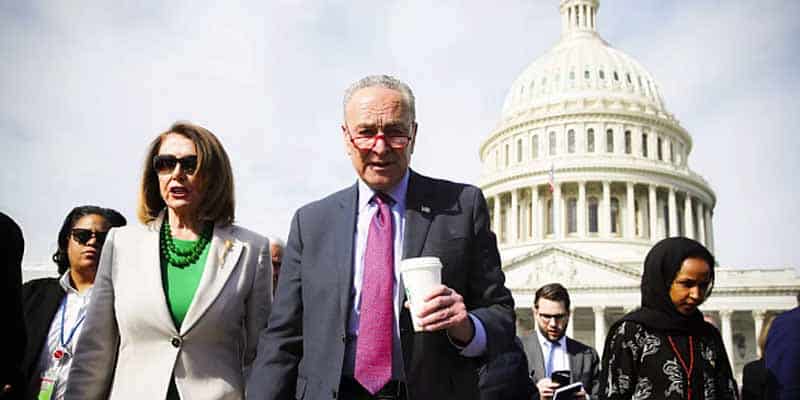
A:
(496, 217)
(536, 214)
(672, 207)
(709, 230)
(688, 220)
(582, 211)
(701, 226)
(599, 328)
(605, 211)
(513, 229)
(652, 204)
(727, 333)
(758, 318)
(630, 227)
(558, 227)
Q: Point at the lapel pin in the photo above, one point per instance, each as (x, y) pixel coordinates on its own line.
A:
(228, 245)
(425, 209)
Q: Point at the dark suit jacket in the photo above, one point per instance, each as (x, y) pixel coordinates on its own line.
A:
(40, 301)
(782, 353)
(505, 376)
(757, 382)
(584, 363)
(12, 336)
(301, 353)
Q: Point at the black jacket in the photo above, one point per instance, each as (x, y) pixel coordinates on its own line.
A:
(40, 301)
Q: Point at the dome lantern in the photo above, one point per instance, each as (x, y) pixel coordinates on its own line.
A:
(578, 17)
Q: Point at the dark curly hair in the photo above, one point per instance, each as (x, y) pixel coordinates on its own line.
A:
(114, 218)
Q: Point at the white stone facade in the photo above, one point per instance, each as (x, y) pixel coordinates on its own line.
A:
(585, 171)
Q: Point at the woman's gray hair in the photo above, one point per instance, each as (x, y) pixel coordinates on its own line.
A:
(384, 81)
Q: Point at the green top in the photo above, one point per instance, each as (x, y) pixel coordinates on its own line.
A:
(180, 284)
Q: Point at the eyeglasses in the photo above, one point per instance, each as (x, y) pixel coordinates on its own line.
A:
(164, 164)
(551, 317)
(368, 142)
(83, 236)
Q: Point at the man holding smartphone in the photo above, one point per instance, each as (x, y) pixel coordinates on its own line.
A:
(554, 360)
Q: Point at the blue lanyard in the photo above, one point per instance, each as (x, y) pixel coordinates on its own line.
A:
(74, 328)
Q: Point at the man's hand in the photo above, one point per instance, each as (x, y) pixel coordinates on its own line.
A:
(444, 309)
(546, 388)
(581, 395)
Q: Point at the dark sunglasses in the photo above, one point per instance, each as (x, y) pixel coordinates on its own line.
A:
(165, 164)
(82, 236)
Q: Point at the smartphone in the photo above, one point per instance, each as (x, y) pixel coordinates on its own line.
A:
(562, 378)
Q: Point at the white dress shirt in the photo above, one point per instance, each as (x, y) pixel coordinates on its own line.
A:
(76, 306)
(365, 212)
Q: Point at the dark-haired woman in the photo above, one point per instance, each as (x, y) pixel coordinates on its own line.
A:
(665, 350)
(180, 300)
(54, 308)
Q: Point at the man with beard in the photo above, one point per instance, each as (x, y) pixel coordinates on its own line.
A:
(550, 350)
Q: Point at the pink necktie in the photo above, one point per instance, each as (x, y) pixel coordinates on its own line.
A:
(373, 367)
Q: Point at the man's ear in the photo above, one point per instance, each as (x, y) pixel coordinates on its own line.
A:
(346, 139)
(414, 127)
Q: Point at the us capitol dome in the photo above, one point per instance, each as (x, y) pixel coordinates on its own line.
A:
(585, 171)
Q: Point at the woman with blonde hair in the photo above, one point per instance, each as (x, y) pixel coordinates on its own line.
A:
(757, 383)
(180, 300)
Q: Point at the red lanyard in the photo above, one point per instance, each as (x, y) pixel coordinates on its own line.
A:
(683, 364)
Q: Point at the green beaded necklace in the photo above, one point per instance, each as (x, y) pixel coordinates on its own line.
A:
(183, 258)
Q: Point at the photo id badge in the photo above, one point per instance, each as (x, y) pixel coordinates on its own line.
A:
(48, 386)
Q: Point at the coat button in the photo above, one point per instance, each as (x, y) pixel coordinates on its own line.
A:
(333, 392)
(176, 341)
(344, 338)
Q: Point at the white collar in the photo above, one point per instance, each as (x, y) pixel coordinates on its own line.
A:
(398, 193)
(66, 284)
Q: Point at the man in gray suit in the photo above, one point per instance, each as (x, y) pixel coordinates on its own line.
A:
(549, 349)
(339, 327)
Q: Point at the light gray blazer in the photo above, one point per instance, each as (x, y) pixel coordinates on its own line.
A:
(130, 346)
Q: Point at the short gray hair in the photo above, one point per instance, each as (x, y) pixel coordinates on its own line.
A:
(384, 81)
(276, 241)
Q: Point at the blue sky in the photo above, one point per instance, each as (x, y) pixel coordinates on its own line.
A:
(86, 85)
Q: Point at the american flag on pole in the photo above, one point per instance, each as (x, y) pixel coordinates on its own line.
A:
(552, 181)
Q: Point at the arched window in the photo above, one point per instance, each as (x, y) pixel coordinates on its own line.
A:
(572, 75)
(644, 145)
(592, 214)
(497, 158)
(590, 141)
(609, 141)
(548, 217)
(535, 146)
(506, 156)
(572, 215)
(602, 74)
(571, 141)
(637, 215)
(586, 74)
(615, 215)
(519, 150)
(552, 143)
(627, 142)
(616, 76)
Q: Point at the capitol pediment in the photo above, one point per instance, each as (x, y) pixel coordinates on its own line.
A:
(569, 267)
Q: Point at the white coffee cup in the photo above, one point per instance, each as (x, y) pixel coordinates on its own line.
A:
(420, 275)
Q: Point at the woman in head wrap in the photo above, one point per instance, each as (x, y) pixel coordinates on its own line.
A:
(664, 349)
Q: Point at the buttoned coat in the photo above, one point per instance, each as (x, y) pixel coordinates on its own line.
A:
(584, 363)
(130, 347)
(301, 353)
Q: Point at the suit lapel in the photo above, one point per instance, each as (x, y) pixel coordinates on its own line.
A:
(223, 257)
(575, 360)
(343, 244)
(150, 251)
(538, 358)
(418, 216)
